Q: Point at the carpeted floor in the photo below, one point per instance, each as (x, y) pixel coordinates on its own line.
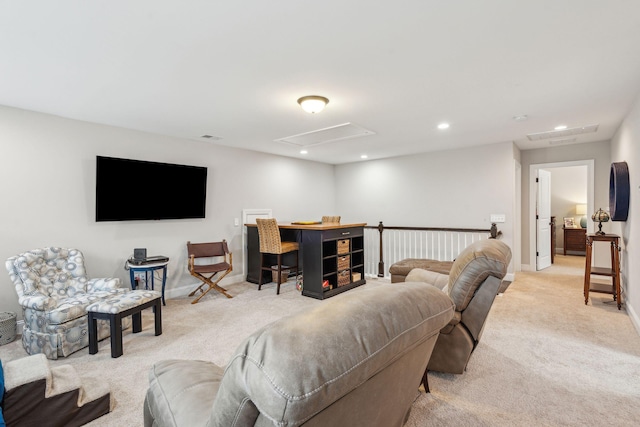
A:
(545, 359)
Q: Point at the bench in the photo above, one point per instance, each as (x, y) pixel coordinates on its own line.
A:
(115, 309)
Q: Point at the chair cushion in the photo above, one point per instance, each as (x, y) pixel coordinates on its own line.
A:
(124, 301)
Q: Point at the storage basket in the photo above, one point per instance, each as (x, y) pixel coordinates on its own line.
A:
(356, 276)
(7, 327)
(343, 246)
(274, 273)
(344, 262)
(344, 278)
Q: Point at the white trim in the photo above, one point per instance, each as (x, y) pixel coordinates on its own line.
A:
(533, 169)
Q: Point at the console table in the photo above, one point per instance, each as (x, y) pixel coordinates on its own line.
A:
(329, 252)
(613, 272)
(575, 239)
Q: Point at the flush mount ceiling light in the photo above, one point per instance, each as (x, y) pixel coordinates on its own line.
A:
(443, 126)
(313, 103)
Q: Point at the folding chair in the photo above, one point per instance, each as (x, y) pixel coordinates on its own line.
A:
(214, 251)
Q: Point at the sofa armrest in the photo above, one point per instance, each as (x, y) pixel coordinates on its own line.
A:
(104, 284)
(37, 302)
(438, 280)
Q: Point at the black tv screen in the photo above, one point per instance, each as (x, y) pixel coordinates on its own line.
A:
(128, 190)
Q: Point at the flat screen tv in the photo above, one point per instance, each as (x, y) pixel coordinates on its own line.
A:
(129, 190)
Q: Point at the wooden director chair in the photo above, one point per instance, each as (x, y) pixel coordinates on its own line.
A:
(214, 251)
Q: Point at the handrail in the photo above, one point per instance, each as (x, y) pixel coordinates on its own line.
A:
(493, 234)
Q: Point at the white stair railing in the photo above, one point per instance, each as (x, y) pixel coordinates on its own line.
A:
(398, 243)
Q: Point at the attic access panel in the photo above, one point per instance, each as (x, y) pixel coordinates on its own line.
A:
(330, 134)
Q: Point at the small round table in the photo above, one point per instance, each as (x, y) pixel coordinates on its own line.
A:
(146, 269)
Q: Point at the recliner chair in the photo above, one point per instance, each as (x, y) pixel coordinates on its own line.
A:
(472, 285)
(54, 292)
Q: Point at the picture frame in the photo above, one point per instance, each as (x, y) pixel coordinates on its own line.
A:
(569, 222)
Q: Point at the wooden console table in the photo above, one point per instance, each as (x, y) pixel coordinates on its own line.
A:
(613, 272)
(574, 239)
(329, 252)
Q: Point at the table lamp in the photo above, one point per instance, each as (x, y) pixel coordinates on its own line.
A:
(581, 210)
(600, 216)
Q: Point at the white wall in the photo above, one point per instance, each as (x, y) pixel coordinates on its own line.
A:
(598, 151)
(47, 184)
(456, 188)
(625, 146)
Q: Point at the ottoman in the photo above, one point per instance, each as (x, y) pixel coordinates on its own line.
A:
(400, 269)
(122, 305)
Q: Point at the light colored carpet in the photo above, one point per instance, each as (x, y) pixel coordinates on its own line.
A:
(545, 358)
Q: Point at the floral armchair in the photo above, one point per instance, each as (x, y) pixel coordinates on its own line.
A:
(54, 291)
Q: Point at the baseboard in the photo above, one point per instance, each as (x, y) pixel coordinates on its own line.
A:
(635, 321)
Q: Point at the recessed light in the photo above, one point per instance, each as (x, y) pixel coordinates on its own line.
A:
(443, 126)
(303, 151)
(364, 156)
(560, 127)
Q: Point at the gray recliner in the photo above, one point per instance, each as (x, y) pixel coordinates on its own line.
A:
(472, 285)
(354, 360)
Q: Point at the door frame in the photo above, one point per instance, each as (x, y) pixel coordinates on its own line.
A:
(533, 194)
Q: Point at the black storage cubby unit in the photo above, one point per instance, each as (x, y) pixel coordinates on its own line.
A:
(322, 260)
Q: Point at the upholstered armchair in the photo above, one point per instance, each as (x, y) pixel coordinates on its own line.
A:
(472, 285)
(54, 292)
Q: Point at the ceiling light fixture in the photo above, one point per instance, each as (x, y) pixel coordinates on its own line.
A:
(303, 151)
(313, 103)
(364, 156)
(561, 127)
(520, 118)
(443, 126)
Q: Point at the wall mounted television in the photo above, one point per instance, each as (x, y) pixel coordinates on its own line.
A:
(130, 190)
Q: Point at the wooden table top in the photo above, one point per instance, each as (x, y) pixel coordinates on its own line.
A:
(319, 226)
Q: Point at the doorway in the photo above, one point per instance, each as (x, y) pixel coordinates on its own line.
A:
(533, 202)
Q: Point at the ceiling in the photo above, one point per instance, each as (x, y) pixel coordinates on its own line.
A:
(234, 69)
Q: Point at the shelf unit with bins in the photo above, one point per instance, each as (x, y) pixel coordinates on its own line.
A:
(335, 256)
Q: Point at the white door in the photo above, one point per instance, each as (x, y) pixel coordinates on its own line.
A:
(543, 220)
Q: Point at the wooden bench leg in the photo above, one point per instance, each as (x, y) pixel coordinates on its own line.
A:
(137, 321)
(116, 335)
(157, 310)
(93, 334)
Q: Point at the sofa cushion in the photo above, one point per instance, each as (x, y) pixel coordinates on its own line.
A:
(341, 344)
(438, 280)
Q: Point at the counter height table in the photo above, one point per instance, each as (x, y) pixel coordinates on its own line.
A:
(332, 256)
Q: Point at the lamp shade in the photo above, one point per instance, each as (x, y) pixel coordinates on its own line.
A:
(313, 103)
(600, 216)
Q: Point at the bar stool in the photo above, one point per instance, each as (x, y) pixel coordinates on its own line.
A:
(270, 243)
(613, 272)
